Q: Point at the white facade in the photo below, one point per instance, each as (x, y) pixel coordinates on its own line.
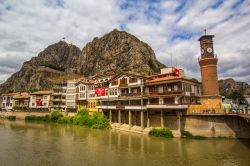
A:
(71, 95)
(7, 102)
(39, 101)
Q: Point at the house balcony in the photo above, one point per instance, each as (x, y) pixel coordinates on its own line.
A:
(165, 93)
(128, 95)
(123, 85)
(59, 99)
(166, 106)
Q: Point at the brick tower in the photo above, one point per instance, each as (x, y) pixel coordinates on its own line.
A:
(211, 99)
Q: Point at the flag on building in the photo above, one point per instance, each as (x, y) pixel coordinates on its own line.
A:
(176, 72)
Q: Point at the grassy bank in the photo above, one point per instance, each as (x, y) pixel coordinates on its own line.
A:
(96, 121)
(188, 135)
(164, 132)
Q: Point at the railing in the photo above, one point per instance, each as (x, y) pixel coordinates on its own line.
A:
(123, 85)
(165, 93)
(131, 94)
(242, 112)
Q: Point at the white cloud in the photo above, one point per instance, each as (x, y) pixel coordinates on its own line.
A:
(169, 27)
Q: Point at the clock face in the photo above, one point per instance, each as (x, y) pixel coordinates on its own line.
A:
(202, 51)
(209, 50)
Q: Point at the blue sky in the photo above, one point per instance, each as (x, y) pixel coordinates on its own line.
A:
(169, 27)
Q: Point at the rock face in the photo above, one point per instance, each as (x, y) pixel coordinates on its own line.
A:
(229, 85)
(114, 52)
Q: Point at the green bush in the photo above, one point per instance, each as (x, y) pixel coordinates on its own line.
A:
(55, 115)
(161, 133)
(188, 135)
(83, 112)
(11, 117)
(95, 121)
(66, 120)
(45, 118)
(99, 121)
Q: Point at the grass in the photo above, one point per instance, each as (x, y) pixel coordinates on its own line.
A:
(11, 117)
(188, 135)
(164, 132)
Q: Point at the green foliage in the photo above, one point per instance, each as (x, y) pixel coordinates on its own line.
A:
(188, 135)
(83, 112)
(31, 90)
(55, 115)
(96, 121)
(11, 117)
(151, 64)
(236, 95)
(99, 121)
(54, 67)
(66, 120)
(45, 118)
(164, 132)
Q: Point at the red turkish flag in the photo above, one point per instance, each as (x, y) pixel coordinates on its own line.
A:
(102, 91)
(176, 72)
(38, 101)
(96, 91)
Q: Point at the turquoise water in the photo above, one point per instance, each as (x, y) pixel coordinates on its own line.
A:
(66, 145)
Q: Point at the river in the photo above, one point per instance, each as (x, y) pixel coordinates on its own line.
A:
(48, 144)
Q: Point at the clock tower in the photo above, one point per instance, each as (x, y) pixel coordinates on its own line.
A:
(208, 66)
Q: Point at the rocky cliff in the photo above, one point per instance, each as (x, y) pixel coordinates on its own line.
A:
(114, 52)
(230, 85)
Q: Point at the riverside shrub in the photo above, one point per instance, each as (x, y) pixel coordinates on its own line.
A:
(188, 135)
(95, 121)
(55, 115)
(45, 118)
(164, 132)
(11, 117)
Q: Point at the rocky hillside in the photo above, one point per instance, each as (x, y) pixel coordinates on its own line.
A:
(229, 85)
(114, 52)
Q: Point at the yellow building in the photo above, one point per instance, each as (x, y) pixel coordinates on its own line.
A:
(21, 102)
(86, 96)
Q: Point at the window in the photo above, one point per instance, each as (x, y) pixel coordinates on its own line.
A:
(3, 105)
(115, 82)
(33, 104)
(4, 98)
(45, 97)
(123, 81)
(33, 97)
(132, 80)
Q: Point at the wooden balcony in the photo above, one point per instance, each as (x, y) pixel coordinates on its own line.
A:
(131, 95)
(165, 93)
(123, 85)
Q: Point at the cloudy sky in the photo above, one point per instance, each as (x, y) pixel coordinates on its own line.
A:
(169, 27)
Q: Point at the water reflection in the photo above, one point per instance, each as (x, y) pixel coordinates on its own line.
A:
(53, 144)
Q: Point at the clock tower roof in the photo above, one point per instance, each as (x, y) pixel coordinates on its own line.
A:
(205, 37)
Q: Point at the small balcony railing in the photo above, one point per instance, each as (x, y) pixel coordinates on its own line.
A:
(131, 94)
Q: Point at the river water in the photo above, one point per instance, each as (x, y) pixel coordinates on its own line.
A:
(34, 144)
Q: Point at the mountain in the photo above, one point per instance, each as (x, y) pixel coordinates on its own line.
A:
(114, 52)
(228, 86)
